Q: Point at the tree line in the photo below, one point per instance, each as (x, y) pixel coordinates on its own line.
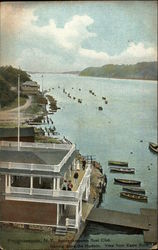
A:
(8, 83)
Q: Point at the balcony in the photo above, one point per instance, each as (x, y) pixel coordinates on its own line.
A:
(25, 146)
(54, 194)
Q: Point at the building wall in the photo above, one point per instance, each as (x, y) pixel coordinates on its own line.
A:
(24, 139)
(2, 187)
(28, 212)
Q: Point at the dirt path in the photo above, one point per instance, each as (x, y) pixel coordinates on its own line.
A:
(11, 114)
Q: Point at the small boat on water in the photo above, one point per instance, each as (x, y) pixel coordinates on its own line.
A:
(137, 197)
(134, 190)
(100, 108)
(79, 100)
(153, 147)
(127, 182)
(119, 163)
(123, 170)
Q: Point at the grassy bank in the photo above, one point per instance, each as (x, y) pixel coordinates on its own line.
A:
(14, 104)
(37, 106)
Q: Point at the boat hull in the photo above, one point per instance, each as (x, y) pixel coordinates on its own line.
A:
(127, 182)
(118, 163)
(153, 147)
(122, 170)
(134, 190)
(132, 196)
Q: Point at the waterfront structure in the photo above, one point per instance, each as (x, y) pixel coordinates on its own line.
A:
(30, 87)
(31, 182)
(11, 134)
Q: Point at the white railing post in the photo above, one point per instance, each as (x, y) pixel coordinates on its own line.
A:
(77, 215)
(81, 208)
(58, 183)
(31, 184)
(54, 183)
(6, 183)
(9, 183)
(58, 214)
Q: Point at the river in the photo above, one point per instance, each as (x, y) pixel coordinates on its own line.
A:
(121, 131)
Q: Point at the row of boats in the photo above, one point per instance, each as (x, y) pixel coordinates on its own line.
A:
(131, 188)
(80, 100)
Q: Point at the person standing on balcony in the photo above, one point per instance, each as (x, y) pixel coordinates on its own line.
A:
(69, 186)
(64, 185)
(83, 164)
(76, 178)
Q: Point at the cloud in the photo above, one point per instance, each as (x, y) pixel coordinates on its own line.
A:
(15, 17)
(53, 48)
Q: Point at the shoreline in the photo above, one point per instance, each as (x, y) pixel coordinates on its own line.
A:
(113, 78)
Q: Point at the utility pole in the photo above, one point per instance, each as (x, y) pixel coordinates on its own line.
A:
(19, 112)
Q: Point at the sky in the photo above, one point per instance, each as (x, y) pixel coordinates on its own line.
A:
(65, 36)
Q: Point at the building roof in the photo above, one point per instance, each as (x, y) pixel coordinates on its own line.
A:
(47, 173)
(42, 156)
(13, 132)
(30, 84)
(45, 156)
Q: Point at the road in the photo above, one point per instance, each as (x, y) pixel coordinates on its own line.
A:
(11, 114)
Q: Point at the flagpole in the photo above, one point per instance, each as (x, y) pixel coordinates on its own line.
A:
(18, 112)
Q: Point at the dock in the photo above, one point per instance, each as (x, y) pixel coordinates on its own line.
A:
(151, 234)
(146, 220)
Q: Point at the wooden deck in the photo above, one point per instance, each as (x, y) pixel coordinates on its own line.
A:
(146, 220)
(151, 234)
(118, 218)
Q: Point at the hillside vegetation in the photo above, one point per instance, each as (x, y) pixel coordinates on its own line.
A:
(8, 83)
(144, 70)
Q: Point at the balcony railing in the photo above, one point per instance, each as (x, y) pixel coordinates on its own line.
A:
(57, 146)
(53, 193)
(39, 167)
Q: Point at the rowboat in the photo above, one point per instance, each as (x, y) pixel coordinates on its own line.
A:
(137, 197)
(100, 108)
(153, 147)
(134, 189)
(123, 170)
(119, 163)
(127, 182)
(79, 100)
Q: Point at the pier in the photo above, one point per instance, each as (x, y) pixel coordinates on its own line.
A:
(146, 220)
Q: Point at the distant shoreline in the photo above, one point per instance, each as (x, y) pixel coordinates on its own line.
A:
(113, 78)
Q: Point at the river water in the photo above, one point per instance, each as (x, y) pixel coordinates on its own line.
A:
(121, 131)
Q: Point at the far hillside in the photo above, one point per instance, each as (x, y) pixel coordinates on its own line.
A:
(143, 70)
(8, 83)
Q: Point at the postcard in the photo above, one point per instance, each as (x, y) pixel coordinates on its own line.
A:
(78, 125)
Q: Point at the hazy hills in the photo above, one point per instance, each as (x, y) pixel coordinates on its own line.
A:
(143, 70)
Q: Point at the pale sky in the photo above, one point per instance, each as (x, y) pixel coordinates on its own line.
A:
(64, 36)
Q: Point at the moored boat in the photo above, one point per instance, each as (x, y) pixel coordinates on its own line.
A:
(134, 189)
(153, 147)
(123, 170)
(127, 182)
(79, 100)
(132, 196)
(100, 108)
(119, 163)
